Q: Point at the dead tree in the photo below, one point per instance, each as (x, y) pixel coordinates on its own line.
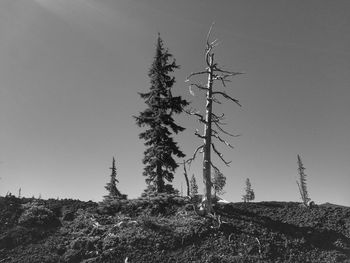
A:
(186, 178)
(213, 123)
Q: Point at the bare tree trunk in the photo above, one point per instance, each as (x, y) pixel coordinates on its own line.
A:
(186, 178)
(214, 73)
(207, 140)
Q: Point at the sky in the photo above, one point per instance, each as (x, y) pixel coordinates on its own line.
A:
(70, 73)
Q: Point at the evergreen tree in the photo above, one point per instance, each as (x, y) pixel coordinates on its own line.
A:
(193, 186)
(249, 192)
(219, 182)
(111, 187)
(302, 182)
(158, 118)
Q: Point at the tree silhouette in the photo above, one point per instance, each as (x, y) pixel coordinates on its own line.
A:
(302, 182)
(158, 118)
(193, 186)
(212, 122)
(219, 182)
(111, 186)
(249, 192)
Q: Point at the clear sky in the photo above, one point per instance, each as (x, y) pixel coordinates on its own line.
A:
(70, 73)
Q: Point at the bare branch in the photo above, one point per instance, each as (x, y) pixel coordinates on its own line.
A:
(218, 122)
(189, 161)
(218, 117)
(200, 116)
(199, 86)
(215, 168)
(194, 74)
(190, 90)
(223, 131)
(209, 32)
(214, 43)
(227, 97)
(216, 135)
(223, 79)
(228, 73)
(216, 100)
(199, 135)
(220, 155)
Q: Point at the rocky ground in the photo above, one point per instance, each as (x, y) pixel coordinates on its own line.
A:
(167, 229)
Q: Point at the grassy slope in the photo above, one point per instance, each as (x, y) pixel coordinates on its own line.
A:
(166, 229)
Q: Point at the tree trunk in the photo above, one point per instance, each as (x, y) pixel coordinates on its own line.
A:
(207, 141)
(186, 178)
(159, 180)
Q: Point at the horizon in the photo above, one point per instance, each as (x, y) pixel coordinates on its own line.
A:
(70, 73)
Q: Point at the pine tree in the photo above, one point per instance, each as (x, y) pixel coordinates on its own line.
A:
(302, 182)
(193, 186)
(158, 118)
(249, 192)
(219, 182)
(111, 187)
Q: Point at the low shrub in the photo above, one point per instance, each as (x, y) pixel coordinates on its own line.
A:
(10, 210)
(36, 215)
(110, 207)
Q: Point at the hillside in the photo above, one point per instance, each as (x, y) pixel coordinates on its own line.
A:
(167, 229)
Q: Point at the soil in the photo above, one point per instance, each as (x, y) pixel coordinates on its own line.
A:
(168, 229)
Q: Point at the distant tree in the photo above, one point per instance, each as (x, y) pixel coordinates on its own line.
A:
(158, 118)
(111, 187)
(193, 186)
(302, 183)
(219, 182)
(211, 120)
(249, 192)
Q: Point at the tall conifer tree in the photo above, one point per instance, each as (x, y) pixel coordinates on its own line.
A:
(158, 118)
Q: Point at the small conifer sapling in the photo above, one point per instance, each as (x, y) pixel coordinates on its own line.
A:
(193, 186)
(302, 183)
(111, 187)
(219, 182)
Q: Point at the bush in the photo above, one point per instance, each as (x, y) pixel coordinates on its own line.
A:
(10, 210)
(37, 215)
(110, 207)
